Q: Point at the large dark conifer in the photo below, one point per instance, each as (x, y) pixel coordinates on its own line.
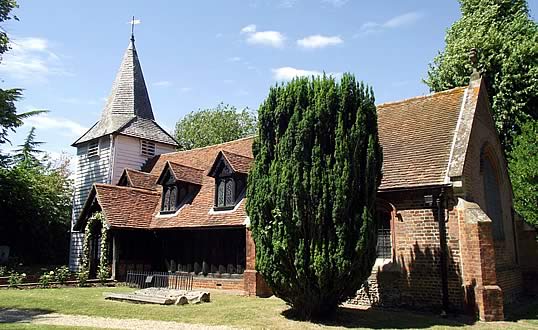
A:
(311, 192)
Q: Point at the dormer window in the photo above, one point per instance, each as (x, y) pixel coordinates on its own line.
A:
(147, 148)
(93, 149)
(180, 184)
(230, 180)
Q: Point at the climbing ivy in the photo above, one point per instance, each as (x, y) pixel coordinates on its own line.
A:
(103, 270)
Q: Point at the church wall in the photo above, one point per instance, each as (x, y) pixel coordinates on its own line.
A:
(89, 171)
(127, 154)
(483, 140)
(412, 278)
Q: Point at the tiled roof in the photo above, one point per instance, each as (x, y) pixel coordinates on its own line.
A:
(128, 108)
(417, 136)
(240, 164)
(186, 173)
(201, 158)
(147, 129)
(142, 180)
(126, 207)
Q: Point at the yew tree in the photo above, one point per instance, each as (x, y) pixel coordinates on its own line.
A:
(312, 190)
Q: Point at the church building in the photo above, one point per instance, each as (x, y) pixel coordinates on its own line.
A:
(448, 236)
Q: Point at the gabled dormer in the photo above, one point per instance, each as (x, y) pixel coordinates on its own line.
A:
(230, 172)
(180, 184)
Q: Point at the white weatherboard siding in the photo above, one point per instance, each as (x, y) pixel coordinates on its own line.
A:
(127, 154)
(90, 170)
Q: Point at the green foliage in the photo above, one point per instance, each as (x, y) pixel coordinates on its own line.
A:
(36, 211)
(312, 191)
(523, 168)
(82, 277)
(26, 154)
(103, 268)
(46, 279)
(62, 274)
(6, 6)
(15, 279)
(3, 271)
(507, 41)
(212, 126)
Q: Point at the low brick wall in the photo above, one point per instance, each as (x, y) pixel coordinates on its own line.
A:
(235, 284)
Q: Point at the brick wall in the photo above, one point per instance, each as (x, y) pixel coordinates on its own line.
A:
(412, 278)
(484, 141)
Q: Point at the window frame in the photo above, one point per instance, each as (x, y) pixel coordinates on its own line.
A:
(489, 164)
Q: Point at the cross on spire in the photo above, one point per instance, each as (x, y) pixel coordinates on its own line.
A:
(132, 29)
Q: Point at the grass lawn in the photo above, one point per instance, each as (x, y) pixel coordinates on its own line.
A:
(227, 309)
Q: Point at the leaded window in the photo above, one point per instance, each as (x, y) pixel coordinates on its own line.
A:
(384, 237)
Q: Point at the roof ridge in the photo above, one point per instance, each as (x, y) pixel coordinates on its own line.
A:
(183, 165)
(213, 145)
(238, 155)
(138, 171)
(448, 91)
(107, 185)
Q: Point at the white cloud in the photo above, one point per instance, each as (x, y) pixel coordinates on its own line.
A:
(162, 83)
(30, 59)
(64, 126)
(287, 3)
(336, 3)
(265, 38)
(288, 73)
(392, 23)
(251, 28)
(234, 59)
(319, 41)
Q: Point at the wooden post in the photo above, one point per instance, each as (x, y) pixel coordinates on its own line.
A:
(114, 256)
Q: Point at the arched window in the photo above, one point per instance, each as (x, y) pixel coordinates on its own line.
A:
(492, 194)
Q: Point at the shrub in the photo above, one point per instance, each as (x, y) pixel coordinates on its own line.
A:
(62, 274)
(3, 270)
(15, 279)
(46, 279)
(82, 277)
(312, 189)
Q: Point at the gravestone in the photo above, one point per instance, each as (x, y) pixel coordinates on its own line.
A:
(4, 254)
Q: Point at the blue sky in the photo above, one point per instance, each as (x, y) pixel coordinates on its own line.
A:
(195, 54)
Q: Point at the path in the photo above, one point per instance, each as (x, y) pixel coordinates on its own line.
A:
(37, 317)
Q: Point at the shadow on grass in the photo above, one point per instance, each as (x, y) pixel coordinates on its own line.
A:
(16, 315)
(383, 319)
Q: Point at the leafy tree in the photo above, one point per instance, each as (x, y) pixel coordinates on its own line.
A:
(212, 126)
(524, 172)
(35, 208)
(26, 154)
(507, 41)
(312, 191)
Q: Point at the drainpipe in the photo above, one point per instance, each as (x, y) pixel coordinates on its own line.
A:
(441, 198)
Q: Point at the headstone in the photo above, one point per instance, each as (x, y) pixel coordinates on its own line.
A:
(4, 254)
(205, 268)
(197, 268)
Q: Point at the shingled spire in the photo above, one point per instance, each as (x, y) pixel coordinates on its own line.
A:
(129, 95)
(128, 108)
